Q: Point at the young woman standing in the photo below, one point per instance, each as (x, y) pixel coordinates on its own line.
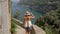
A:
(27, 21)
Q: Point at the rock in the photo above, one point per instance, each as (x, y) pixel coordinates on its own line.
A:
(37, 30)
(20, 30)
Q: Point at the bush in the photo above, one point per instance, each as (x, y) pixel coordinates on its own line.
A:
(17, 14)
(50, 22)
(13, 27)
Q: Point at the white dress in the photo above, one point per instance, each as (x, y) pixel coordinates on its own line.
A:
(28, 24)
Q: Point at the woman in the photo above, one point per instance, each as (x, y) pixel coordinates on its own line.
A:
(27, 21)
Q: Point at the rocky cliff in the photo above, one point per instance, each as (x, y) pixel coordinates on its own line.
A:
(35, 29)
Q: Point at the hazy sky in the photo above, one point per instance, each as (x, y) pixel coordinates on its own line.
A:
(15, 0)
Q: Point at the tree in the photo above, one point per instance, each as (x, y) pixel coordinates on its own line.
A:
(17, 14)
(50, 22)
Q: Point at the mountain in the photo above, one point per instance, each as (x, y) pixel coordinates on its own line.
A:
(42, 6)
(29, 2)
(21, 30)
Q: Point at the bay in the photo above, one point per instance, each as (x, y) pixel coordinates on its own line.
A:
(22, 9)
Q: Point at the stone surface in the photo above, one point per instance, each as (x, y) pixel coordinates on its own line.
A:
(5, 19)
(20, 30)
(37, 30)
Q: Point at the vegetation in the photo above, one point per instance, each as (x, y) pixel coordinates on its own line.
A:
(13, 27)
(50, 22)
(14, 23)
(35, 2)
(17, 14)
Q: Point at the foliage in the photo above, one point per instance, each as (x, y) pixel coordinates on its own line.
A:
(13, 27)
(35, 2)
(48, 30)
(14, 23)
(17, 14)
(41, 6)
(50, 22)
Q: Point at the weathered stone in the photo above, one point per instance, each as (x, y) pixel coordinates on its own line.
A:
(5, 20)
(20, 30)
(37, 30)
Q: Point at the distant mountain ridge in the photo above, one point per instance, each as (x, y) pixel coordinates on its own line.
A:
(36, 1)
(42, 6)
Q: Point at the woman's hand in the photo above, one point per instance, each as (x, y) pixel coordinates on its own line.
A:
(31, 13)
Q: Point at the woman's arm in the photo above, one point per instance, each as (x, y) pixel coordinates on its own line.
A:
(32, 16)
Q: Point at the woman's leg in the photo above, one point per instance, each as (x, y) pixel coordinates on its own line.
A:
(27, 32)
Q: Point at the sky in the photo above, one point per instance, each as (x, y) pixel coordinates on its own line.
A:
(15, 0)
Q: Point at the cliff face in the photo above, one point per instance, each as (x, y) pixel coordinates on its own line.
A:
(4, 17)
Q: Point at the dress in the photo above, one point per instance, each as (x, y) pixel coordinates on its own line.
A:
(28, 25)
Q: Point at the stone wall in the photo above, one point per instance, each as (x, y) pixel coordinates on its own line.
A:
(5, 18)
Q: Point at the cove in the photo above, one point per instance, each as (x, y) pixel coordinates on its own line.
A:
(22, 10)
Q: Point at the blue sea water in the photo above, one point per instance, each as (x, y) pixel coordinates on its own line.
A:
(22, 10)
